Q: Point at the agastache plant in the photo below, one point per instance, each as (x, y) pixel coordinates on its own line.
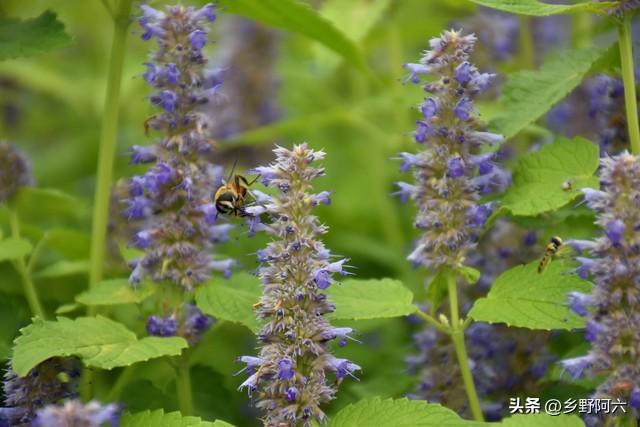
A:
(613, 262)
(172, 200)
(73, 413)
(295, 372)
(451, 174)
(15, 171)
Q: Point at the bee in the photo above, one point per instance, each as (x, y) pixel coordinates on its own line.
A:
(567, 185)
(621, 388)
(230, 197)
(552, 249)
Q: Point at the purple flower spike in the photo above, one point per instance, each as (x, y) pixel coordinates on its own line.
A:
(293, 379)
(198, 39)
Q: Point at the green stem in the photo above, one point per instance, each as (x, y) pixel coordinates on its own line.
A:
(631, 105)
(108, 139)
(30, 291)
(183, 385)
(527, 51)
(432, 321)
(457, 335)
(123, 379)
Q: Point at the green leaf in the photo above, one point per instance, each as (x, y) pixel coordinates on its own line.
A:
(538, 8)
(370, 299)
(31, 36)
(397, 413)
(232, 299)
(470, 274)
(437, 289)
(342, 14)
(295, 16)
(540, 177)
(542, 420)
(160, 419)
(31, 202)
(64, 268)
(524, 298)
(98, 341)
(114, 292)
(14, 248)
(528, 95)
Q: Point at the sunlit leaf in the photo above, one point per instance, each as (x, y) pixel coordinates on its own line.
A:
(64, 268)
(524, 298)
(114, 292)
(539, 8)
(542, 420)
(160, 419)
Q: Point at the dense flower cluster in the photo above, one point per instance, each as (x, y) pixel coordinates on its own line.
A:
(451, 173)
(613, 308)
(15, 171)
(504, 361)
(189, 323)
(76, 414)
(596, 111)
(172, 200)
(289, 375)
(48, 383)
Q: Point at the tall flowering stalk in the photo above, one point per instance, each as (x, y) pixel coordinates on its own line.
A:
(451, 174)
(73, 413)
(176, 220)
(290, 375)
(612, 309)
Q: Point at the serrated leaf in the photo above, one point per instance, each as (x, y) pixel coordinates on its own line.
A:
(114, 292)
(397, 413)
(524, 298)
(540, 177)
(64, 268)
(31, 36)
(542, 420)
(98, 341)
(528, 95)
(173, 419)
(538, 8)
(14, 248)
(370, 299)
(297, 17)
(232, 299)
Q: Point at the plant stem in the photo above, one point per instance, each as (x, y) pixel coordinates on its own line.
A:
(183, 385)
(626, 59)
(457, 335)
(432, 321)
(30, 291)
(108, 139)
(124, 377)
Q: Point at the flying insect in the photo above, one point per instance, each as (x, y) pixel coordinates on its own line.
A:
(231, 196)
(552, 249)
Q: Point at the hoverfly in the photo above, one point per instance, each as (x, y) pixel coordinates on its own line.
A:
(552, 249)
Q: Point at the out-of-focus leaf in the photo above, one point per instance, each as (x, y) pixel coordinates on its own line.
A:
(470, 274)
(541, 178)
(528, 95)
(14, 248)
(64, 268)
(343, 13)
(114, 292)
(31, 36)
(538, 8)
(370, 299)
(542, 420)
(173, 419)
(437, 289)
(398, 412)
(295, 16)
(232, 299)
(31, 202)
(68, 308)
(98, 341)
(72, 244)
(524, 298)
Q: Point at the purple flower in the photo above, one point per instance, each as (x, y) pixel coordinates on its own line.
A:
(577, 366)
(295, 358)
(151, 74)
(408, 161)
(615, 231)
(447, 188)
(171, 73)
(15, 171)
(198, 39)
(75, 413)
(162, 326)
(634, 398)
(207, 12)
(579, 303)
